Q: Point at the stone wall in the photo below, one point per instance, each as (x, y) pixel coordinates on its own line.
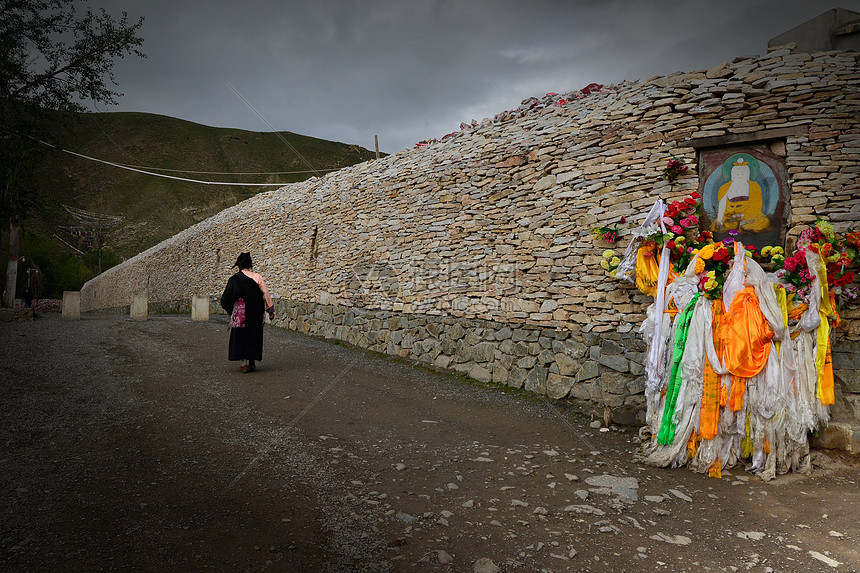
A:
(475, 253)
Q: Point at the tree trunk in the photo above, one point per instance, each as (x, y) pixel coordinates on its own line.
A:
(12, 267)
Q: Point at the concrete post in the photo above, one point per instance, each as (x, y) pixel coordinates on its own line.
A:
(71, 305)
(139, 305)
(200, 308)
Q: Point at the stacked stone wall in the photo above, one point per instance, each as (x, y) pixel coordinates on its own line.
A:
(475, 253)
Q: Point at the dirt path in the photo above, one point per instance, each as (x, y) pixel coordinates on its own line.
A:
(138, 446)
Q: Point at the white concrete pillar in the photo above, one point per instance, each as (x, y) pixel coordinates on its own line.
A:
(139, 305)
(200, 308)
(71, 305)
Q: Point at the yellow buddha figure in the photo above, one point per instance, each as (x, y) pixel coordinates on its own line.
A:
(740, 202)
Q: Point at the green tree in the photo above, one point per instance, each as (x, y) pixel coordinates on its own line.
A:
(52, 57)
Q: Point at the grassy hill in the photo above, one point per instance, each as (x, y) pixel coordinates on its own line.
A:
(154, 208)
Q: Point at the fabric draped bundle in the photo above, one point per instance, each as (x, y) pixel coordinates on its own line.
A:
(737, 380)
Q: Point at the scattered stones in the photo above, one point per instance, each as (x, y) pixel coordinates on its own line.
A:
(485, 565)
(751, 535)
(825, 559)
(443, 557)
(680, 495)
(672, 539)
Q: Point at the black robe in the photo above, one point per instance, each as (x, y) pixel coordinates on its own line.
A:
(246, 343)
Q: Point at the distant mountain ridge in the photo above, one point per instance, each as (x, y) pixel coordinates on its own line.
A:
(154, 208)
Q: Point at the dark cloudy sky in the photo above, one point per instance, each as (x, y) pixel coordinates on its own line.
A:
(408, 70)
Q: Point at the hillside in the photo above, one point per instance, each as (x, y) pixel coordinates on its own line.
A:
(154, 208)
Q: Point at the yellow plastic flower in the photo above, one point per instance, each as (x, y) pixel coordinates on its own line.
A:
(711, 284)
(608, 254)
(615, 261)
(826, 229)
(604, 263)
(712, 275)
(707, 251)
(777, 251)
(700, 265)
(766, 251)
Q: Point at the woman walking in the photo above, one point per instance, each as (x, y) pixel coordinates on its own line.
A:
(245, 299)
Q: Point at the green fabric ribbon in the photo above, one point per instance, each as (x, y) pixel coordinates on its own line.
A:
(667, 427)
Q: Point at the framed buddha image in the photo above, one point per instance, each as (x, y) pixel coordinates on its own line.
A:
(744, 189)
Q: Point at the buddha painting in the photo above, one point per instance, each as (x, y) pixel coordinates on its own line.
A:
(740, 199)
(741, 192)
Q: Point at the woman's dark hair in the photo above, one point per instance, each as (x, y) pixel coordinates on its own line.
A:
(244, 261)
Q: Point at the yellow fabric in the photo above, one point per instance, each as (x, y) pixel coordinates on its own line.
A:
(745, 335)
(823, 361)
(647, 270)
(746, 442)
(782, 300)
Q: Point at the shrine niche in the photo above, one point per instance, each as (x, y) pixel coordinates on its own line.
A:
(744, 189)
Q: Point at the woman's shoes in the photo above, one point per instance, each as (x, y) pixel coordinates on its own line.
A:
(244, 369)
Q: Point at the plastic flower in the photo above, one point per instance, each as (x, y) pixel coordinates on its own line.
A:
(721, 253)
(700, 265)
(826, 229)
(707, 251)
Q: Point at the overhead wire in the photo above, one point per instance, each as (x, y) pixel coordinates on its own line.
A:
(165, 176)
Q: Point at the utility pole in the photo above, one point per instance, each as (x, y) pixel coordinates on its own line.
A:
(376, 143)
(99, 223)
(12, 266)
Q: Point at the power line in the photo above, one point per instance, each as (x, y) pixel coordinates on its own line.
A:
(281, 137)
(129, 168)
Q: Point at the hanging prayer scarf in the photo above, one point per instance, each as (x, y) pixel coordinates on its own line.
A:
(667, 427)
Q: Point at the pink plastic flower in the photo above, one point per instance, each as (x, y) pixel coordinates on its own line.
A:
(677, 229)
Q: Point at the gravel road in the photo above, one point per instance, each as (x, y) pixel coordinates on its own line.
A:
(136, 446)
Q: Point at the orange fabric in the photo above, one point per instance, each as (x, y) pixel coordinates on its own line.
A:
(709, 417)
(693, 444)
(716, 470)
(736, 398)
(834, 322)
(796, 311)
(766, 446)
(745, 335)
(712, 389)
